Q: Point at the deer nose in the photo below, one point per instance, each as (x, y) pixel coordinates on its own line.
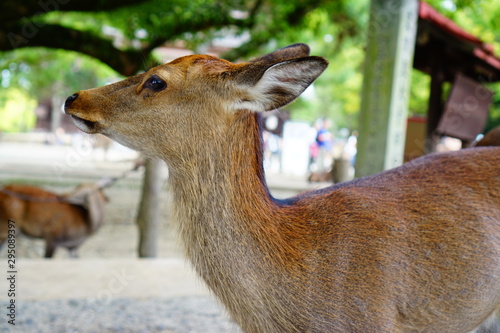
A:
(70, 100)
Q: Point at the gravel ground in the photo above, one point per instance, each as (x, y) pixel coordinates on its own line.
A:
(191, 314)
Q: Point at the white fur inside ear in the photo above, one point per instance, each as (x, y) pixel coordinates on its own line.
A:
(279, 85)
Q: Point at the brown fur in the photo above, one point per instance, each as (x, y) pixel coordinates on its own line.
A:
(492, 138)
(413, 249)
(66, 220)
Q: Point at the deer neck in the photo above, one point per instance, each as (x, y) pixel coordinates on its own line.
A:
(215, 187)
(227, 218)
(239, 239)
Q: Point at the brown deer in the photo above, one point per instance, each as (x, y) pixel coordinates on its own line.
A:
(61, 220)
(413, 249)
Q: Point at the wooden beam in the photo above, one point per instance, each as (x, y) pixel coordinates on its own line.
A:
(384, 105)
(435, 105)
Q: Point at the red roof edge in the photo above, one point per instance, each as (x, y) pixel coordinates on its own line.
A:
(483, 51)
(487, 57)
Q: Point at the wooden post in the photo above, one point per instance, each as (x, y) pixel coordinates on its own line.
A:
(148, 216)
(435, 106)
(384, 104)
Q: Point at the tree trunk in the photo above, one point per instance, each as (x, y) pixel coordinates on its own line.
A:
(148, 216)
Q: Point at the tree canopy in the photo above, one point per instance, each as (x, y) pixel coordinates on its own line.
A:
(122, 34)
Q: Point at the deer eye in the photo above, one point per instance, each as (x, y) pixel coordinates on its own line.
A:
(155, 83)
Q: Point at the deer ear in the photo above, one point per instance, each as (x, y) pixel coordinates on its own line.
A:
(277, 84)
(289, 52)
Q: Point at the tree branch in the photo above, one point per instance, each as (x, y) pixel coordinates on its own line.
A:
(13, 10)
(35, 33)
(29, 35)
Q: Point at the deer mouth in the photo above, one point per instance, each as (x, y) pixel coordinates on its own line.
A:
(85, 125)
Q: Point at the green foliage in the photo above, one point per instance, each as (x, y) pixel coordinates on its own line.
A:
(335, 31)
(419, 93)
(32, 74)
(16, 111)
(494, 115)
(44, 72)
(135, 26)
(478, 17)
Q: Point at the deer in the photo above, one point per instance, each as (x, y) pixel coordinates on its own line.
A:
(412, 249)
(65, 220)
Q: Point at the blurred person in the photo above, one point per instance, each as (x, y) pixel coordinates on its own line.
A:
(324, 141)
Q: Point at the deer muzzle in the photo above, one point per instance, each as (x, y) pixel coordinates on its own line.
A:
(85, 121)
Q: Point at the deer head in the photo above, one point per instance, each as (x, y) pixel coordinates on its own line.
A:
(193, 97)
